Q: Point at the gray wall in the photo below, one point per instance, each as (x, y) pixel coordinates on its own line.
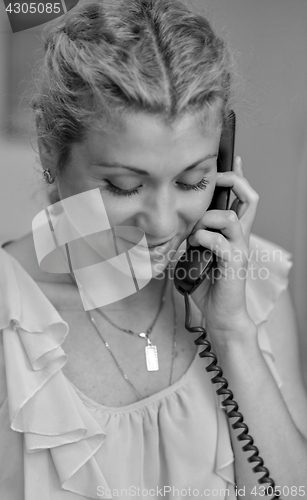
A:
(270, 39)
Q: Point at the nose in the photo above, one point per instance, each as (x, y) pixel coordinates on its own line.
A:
(160, 219)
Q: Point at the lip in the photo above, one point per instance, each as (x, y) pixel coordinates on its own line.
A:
(150, 245)
(162, 243)
(155, 250)
(160, 249)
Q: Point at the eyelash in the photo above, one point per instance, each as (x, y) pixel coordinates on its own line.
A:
(201, 185)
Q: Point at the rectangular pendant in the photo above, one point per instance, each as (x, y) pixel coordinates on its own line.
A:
(151, 355)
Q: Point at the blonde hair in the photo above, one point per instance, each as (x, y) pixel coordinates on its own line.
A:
(110, 58)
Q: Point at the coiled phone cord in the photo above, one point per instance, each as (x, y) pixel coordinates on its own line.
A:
(228, 401)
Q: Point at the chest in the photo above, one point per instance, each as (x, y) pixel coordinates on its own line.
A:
(109, 374)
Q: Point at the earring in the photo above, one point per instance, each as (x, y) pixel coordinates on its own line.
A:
(47, 176)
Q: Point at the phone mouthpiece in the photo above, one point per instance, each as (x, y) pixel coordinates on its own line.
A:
(192, 268)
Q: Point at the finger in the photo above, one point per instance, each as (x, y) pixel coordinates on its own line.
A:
(238, 184)
(247, 196)
(237, 166)
(225, 221)
(215, 242)
(235, 205)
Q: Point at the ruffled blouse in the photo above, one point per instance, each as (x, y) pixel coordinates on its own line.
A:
(58, 444)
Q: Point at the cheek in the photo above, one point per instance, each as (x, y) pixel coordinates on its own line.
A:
(199, 204)
(71, 184)
(117, 210)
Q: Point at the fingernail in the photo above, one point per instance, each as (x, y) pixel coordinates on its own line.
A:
(190, 239)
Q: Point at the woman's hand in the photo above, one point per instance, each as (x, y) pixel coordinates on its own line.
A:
(221, 296)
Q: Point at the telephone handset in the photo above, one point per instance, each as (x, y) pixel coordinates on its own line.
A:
(198, 259)
(201, 261)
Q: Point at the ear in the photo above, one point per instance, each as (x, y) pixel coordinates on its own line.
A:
(48, 157)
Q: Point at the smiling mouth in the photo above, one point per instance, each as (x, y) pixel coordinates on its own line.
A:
(159, 244)
(162, 243)
(143, 245)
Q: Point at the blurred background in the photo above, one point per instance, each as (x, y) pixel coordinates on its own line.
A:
(270, 41)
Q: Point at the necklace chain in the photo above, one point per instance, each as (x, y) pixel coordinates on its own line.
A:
(149, 330)
(117, 363)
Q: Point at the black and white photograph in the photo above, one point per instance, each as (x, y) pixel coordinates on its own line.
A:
(153, 240)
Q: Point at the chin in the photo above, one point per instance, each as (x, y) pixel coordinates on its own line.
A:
(159, 268)
(159, 265)
(145, 269)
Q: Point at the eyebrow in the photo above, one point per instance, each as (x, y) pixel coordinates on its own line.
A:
(144, 172)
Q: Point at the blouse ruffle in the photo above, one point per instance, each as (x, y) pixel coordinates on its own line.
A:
(50, 435)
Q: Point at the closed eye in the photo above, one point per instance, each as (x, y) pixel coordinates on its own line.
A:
(115, 190)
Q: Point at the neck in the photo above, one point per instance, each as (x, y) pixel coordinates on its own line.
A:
(144, 299)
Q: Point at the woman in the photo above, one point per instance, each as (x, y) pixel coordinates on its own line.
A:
(131, 101)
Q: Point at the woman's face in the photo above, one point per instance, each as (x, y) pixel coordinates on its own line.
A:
(150, 176)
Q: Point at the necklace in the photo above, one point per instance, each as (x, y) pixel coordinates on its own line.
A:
(118, 365)
(151, 351)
